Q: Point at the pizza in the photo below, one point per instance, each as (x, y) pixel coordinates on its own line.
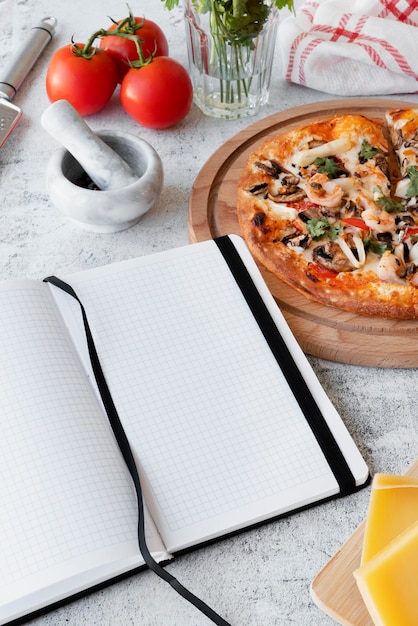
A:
(331, 208)
(402, 125)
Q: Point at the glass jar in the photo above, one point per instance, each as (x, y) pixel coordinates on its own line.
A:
(230, 48)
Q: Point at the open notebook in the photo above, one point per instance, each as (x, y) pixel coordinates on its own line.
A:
(227, 423)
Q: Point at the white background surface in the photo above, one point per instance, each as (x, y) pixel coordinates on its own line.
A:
(261, 577)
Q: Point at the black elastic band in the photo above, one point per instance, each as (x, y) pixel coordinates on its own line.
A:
(297, 383)
(130, 462)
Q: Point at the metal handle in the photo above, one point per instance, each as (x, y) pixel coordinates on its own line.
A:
(26, 56)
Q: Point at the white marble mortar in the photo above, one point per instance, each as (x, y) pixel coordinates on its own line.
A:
(111, 210)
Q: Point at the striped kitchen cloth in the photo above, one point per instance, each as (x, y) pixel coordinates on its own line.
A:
(352, 47)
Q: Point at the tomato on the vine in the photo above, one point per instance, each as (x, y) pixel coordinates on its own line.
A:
(150, 36)
(87, 83)
(158, 94)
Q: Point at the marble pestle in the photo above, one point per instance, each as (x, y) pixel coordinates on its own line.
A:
(100, 162)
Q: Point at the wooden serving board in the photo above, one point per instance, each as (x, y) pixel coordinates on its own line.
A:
(322, 331)
(334, 588)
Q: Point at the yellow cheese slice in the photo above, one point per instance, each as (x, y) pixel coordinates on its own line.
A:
(393, 507)
(388, 583)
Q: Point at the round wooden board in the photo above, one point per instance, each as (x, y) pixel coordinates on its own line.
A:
(321, 331)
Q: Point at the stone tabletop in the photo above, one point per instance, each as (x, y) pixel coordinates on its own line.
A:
(260, 577)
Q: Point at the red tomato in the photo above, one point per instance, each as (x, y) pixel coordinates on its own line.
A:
(356, 221)
(303, 205)
(317, 272)
(157, 95)
(87, 84)
(151, 38)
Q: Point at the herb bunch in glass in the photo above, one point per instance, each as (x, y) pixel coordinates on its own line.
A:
(235, 53)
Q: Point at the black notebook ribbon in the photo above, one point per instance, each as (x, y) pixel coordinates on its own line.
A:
(130, 462)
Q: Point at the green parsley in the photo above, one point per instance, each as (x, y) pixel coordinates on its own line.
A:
(378, 247)
(386, 203)
(328, 166)
(367, 151)
(320, 227)
(375, 246)
(412, 190)
(245, 10)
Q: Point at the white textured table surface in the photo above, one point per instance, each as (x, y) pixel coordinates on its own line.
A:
(261, 577)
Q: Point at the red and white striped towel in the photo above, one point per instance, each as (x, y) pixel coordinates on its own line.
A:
(352, 47)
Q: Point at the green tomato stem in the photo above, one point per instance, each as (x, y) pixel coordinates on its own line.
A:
(88, 51)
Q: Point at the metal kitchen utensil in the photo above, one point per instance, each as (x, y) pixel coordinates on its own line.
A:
(12, 76)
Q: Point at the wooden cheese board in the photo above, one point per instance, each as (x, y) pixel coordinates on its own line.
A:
(322, 331)
(334, 589)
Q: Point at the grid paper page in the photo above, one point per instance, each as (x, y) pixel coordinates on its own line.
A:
(202, 399)
(64, 492)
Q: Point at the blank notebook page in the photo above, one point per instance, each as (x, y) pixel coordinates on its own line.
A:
(217, 433)
(65, 496)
